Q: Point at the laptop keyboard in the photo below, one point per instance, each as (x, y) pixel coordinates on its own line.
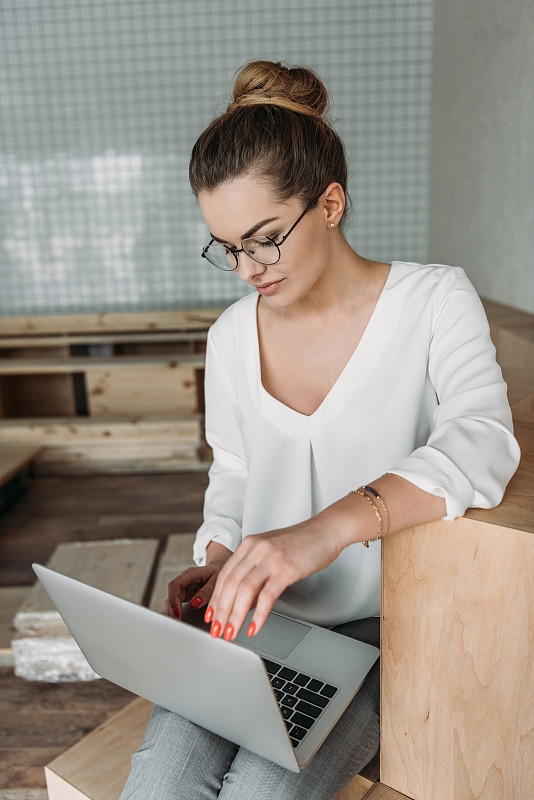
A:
(301, 698)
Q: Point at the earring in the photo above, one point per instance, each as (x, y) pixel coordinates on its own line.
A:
(332, 224)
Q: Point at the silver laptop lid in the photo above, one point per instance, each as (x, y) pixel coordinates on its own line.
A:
(214, 683)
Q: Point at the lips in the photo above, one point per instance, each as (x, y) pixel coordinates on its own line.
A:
(269, 288)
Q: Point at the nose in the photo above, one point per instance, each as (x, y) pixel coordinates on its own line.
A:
(248, 269)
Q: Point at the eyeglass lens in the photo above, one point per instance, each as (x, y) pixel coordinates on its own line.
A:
(259, 248)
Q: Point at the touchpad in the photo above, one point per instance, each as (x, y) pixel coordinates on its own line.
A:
(278, 637)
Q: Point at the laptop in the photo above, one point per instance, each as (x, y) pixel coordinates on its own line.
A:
(278, 694)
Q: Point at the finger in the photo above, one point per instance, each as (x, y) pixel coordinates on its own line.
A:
(270, 593)
(203, 595)
(184, 586)
(240, 590)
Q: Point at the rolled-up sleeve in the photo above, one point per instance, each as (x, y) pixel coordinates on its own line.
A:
(471, 453)
(223, 501)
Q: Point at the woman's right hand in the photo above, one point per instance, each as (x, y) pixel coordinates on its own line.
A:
(196, 584)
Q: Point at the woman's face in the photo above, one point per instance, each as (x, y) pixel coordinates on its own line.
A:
(246, 207)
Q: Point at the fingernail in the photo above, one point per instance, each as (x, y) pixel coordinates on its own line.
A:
(176, 612)
(251, 629)
(228, 632)
(209, 614)
(196, 602)
(215, 629)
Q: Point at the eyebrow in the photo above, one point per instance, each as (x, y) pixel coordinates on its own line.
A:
(250, 232)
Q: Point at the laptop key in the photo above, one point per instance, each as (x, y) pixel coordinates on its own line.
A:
(286, 712)
(287, 674)
(289, 725)
(277, 683)
(291, 688)
(311, 697)
(298, 732)
(314, 685)
(295, 742)
(271, 666)
(301, 679)
(328, 691)
(289, 700)
(278, 694)
(302, 719)
(307, 708)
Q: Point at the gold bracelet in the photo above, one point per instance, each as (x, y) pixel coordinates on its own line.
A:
(384, 508)
(375, 509)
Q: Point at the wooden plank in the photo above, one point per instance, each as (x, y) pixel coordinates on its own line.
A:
(73, 776)
(46, 342)
(457, 662)
(382, 792)
(13, 457)
(177, 557)
(119, 566)
(11, 598)
(357, 789)
(23, 794)
(159, 390)
(183, 428)
(88, 364)
(44, 649)
(142, 458)
(191, 319)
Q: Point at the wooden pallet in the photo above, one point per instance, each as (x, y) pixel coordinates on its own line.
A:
(44, 649)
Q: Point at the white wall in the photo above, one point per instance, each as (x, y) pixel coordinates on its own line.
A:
(481, 212)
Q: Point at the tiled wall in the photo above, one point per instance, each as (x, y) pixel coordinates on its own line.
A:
(102, 100)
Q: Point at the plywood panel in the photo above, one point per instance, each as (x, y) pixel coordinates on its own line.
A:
(457, 662)
(152, 389)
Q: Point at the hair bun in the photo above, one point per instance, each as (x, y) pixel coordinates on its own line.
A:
(269, 82)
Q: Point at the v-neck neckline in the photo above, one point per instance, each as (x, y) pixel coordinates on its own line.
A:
(355, 356)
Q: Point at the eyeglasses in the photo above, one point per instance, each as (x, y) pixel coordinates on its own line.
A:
(259, 248)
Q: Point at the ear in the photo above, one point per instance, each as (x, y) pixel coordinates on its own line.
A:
(333, 204)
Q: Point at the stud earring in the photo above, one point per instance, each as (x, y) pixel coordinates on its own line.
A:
(332, 224)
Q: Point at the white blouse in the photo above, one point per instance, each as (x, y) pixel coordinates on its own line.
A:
(421, 397)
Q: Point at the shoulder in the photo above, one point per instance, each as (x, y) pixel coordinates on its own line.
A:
(429, 283)
(236, 321)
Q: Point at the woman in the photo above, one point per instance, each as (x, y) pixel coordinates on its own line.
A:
(346, 400)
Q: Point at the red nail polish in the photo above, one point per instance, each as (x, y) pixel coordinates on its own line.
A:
(215, 629)
(209, 614)
(196, 602)
(251, 629)
(176, 612)
(228, 632)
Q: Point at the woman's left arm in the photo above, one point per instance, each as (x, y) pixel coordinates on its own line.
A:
(264, 565)
(467, 461)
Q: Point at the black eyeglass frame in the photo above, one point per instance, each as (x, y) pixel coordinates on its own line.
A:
(278, 245)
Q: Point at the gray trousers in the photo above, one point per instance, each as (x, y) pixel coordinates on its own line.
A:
(179, 760)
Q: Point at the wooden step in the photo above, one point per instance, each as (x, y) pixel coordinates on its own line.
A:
(44, 649)
(96, 768)
(13, 458)
(72, 776)
(11, 598)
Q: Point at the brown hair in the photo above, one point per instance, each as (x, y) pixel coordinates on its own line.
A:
(275, 128)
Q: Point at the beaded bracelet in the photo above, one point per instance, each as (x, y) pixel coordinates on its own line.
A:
(386, 515)
(375, 509)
